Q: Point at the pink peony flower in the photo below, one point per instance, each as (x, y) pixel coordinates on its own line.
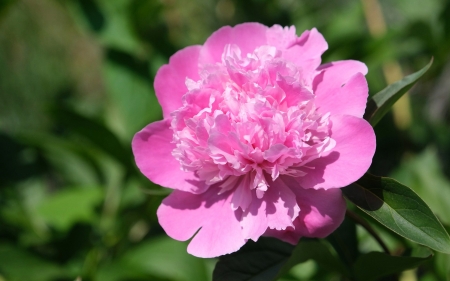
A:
(257, 138)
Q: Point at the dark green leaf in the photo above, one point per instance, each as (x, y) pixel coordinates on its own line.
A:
(345, 242)
(380, 103)
(61, 153)
(400, 209)
(269, 259)
(15, 164)
(96, 133)
(93, 14)
(4, 5)
(259, 261)
(18, 264)
(374, 265)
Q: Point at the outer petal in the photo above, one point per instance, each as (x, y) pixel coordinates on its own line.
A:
(181, 214)
(350, 98)
(254, 220)
(276, 210)
(350, 158)
(282, 207)
(307, 52)
(321, 212)
(170, 79)
(281, 37)
(341, 88)
(152, 149)
(248, 36)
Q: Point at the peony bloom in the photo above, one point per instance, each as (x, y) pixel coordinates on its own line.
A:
(257, 138)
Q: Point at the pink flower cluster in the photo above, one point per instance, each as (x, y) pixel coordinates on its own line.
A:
(257, 138)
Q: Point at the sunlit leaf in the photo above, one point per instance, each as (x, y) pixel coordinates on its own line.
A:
(118, 32)
(160, 257)
(400, 209)
(380, 103)
(442, 265)
(423, 174)
(374, 265)
(133, 100)
(304, 271)
(317, 251)
(68, 206)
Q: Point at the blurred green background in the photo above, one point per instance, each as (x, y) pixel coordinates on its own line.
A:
(76, 84)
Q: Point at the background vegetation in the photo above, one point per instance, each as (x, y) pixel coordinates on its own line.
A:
(76, 84)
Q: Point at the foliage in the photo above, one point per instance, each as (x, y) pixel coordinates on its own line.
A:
(76, 83)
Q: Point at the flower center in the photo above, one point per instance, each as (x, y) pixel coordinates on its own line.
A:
(247, 119)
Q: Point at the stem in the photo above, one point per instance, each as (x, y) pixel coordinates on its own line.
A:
(352, 215)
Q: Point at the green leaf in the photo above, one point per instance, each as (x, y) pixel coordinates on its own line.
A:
(400, 209)
(380, 103)
(134, 103)
(424, 175)
(270, 259)
(315, 250)
(96, 133)
(374, 265)
(253, 262)
(4, 5)
(18, 264)
(68, 206)
(304, 271)
(118, 32)
(93, 14)
(77, 164)
(158, 258)
(442, 266)
(345, 242)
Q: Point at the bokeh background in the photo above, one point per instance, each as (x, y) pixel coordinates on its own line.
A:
(76, 82)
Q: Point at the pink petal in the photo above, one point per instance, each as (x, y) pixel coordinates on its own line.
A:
(307, 52)
(171, 78)
(276, 210)
(341, 88)
(282, 206)
(254, 220)
(281, 37)
(321, 212)
(247, 36)
(242, 196)
(350, 99)
(182, 214)
(152, 149)
(350, 158)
